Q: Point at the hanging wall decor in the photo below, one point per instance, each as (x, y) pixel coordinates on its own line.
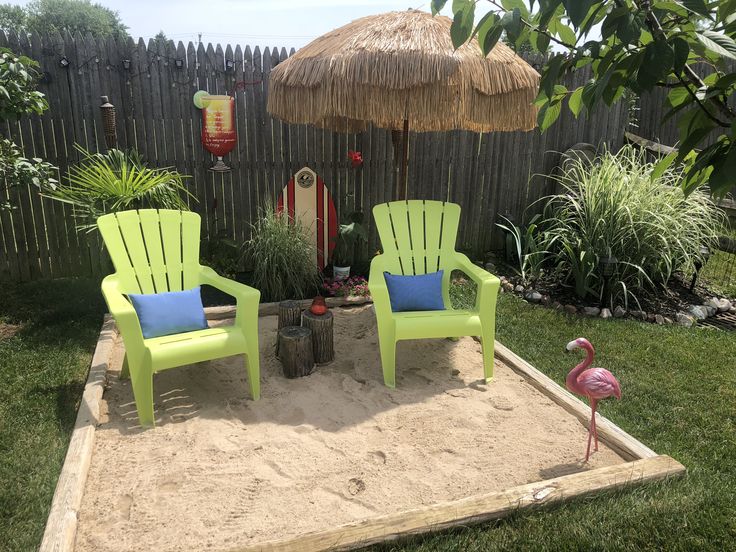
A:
(218, 126)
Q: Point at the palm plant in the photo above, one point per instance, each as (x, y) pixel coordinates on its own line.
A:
(115, 181)
(618, 208)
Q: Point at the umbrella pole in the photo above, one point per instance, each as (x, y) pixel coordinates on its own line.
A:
(401, 185)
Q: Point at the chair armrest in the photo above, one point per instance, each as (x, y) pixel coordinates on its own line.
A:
(247, 298)
(377, 286)
(124, 314)
(488, 284)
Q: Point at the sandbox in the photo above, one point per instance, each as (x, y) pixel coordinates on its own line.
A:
(332, 460)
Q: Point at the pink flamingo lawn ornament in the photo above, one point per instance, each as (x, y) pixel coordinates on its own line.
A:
(595, 383)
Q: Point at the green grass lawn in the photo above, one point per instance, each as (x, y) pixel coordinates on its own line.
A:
(679, 397)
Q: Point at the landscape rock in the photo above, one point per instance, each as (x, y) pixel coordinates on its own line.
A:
(619, 312)
(732, 310)
(659, 319)
(591, 311)
(571, 309)
(557, 305)
(724, 305)
(711, 310)
(668, 320)
(546, 299)
(490, 267)
(698, 311)
(519, 289)
(641, 315)
(533, 297)
(712, 302)
(508, 286)
(686, 320)
(606, 313)
(651, 317)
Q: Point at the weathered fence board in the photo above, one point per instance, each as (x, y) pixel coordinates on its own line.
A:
(151, 86)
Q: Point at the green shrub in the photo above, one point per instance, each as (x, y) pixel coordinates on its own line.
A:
(282, 257)
(617, 208)
(115, 181)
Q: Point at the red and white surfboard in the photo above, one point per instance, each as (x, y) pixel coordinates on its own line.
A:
(307, 199)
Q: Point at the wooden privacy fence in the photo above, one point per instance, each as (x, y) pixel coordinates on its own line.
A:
(151, 86)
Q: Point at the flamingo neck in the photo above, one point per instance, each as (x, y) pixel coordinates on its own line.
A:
(572, 377)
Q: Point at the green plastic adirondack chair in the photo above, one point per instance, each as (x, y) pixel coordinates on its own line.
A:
(418, 237)
(155, 251)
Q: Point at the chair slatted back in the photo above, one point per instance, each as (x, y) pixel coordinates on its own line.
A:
(417, 236)
(153, 250)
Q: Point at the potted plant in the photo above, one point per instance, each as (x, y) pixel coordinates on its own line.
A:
(348, 245)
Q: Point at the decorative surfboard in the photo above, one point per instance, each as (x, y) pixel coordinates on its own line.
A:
(307, 200)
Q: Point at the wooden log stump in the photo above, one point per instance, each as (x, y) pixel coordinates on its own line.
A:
(290, 314)
(322, 337)
(295, 348)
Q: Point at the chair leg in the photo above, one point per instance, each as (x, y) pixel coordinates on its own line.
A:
(125, 370)
(254, 372)
(142, 381)
(488, 345)
(387, 342)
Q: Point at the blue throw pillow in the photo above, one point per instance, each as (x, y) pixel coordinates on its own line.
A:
(171, 312)
(415, 293)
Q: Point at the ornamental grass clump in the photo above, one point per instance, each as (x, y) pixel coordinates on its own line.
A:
(282, 257)
(618, 212)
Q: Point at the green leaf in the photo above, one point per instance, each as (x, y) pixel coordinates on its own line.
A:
(575, 101)
(510, 5)
(566, 34)
(437, 6)
(717, 43)
(484, 25)
(462, 23)
(678, 96)
(726, 82)
(548, 115)
(697, 6)
(511, 22)
(656, 64)
(490, 38)
(682, 51)
(577, 10)
(662, 165)
(723, 176)
(550, 74)
(541, 41)
(629, 29)
(612, 20)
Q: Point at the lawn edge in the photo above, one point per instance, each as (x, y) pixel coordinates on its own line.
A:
(61, 524)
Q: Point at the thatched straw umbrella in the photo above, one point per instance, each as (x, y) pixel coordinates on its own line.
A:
(399, 70)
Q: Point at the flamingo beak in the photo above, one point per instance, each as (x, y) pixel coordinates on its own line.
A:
(571, 346)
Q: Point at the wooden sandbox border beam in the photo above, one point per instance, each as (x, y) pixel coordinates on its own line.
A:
(476, 509)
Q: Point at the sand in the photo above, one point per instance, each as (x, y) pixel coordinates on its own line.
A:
(221, 471)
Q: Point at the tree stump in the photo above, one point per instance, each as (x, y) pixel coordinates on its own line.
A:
(295, 347)
(290, 314)
(322, 339)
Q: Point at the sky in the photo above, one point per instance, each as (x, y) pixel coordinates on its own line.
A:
(287, 23)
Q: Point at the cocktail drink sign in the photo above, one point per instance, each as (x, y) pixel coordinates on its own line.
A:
(219, 135)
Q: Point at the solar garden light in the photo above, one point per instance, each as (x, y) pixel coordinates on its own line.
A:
(179, 63)
(702, 258)
(64, 61)
(126, 64)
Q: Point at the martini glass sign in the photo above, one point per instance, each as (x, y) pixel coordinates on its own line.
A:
(218, 126)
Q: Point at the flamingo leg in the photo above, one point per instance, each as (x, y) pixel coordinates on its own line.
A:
(590, 429)
(595, 425)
